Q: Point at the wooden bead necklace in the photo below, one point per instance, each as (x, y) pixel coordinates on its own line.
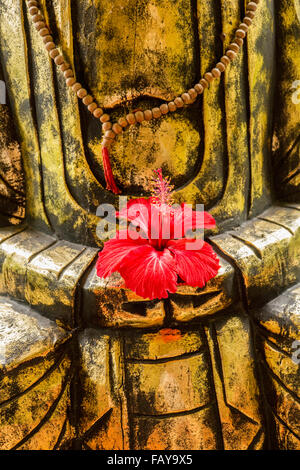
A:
(112, 130)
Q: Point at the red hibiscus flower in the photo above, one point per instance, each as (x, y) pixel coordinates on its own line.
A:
(153, 254)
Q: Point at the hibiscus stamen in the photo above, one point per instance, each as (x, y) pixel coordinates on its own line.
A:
(162, 189)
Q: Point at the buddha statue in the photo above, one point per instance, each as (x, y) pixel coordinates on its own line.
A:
(94, 365)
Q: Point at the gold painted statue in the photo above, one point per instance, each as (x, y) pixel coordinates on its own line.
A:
(85, 363)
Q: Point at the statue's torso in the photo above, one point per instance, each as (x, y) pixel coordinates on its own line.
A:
(129, 55)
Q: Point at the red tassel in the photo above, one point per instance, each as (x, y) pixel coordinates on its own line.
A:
(108, 174)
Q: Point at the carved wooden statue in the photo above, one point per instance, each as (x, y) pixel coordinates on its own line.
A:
(85, 363)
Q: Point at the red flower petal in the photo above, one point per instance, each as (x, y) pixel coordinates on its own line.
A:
(115, 251)
(152, 218)
(149, 273)
(126, 211)
(188, 219)
(194, 267)
(138, 212)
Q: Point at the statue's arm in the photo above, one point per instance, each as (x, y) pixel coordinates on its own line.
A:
(286, 137)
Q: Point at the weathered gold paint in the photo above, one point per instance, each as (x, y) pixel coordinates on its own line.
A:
(17, 78)
(260, 77)
(287, 111)
(267, 253)
(23, 418)
(33, 371)
(239, 405)
(278, 328)
(217, 153)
